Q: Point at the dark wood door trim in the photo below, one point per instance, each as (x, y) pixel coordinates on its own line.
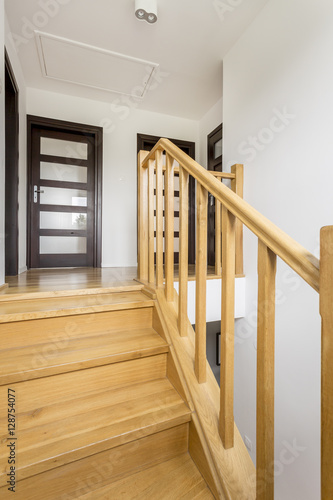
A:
(97, 134)
(146, 142)
(213, 163)
(11, 169)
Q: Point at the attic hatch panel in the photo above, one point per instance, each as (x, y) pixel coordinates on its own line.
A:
(82, 64)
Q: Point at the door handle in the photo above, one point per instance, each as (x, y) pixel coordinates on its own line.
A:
(36, 191)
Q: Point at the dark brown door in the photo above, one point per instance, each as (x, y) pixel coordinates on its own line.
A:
(62, 198)
(214, 162)
(146, 143)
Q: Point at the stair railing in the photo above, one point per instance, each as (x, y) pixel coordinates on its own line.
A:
(272, 243)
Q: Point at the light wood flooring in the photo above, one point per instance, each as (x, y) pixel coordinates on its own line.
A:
(59, 279)
(45, 280)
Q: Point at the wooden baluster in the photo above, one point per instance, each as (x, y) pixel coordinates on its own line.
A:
(265, 372)
(169, 183)
(326, 311)
(237, 187)
(183, 250)
(226, 424)
(159, 218)
(218, 241)
(151, 236)
(142, 218)
(201, 278)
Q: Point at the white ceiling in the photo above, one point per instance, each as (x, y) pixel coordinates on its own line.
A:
(188, 42)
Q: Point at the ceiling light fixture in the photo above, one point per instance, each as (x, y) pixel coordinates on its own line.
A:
(147, 10)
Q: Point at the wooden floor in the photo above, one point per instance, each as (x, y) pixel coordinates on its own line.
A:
(48, 280)
(45, 280)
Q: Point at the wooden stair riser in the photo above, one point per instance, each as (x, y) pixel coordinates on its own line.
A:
(67, 417)
(45, 347)
(89, 474)
(27, 310)
(60, 330)
(71, 386)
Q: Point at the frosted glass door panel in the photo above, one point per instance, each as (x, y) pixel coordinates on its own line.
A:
(61, 196)
(67, 149)
(218, 149)
(63, 220)
(64, 173)
(62, 245)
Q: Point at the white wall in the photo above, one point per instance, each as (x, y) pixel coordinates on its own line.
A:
(22, 213)
(2, 145)
(121, 124)
(213, 293)
(278, 104)
(211, 120)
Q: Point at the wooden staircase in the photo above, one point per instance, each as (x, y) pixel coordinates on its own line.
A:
(97, 415)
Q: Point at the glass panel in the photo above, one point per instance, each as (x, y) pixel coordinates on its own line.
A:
(66, 173)
(62, 196)
(62, 220)
(62, 244)
(218, 149)
(67, 149)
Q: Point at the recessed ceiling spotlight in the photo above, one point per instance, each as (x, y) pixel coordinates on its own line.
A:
(147, 10)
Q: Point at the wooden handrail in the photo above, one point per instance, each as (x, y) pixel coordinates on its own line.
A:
(231, 212)
(218, 175)
(222, 175)
(292, 253)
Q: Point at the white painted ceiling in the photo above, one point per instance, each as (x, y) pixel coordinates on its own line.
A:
(188, 42)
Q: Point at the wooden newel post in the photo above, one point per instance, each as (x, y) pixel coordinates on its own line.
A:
(326, 312)
(142, 217)
(237, 187)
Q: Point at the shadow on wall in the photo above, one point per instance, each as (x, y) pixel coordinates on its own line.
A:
(213, 328)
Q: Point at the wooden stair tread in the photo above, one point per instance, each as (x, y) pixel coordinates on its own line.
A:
(176, 479)
(10, 294)
(97, 471)
(49, 358)
(28, 309)
(56, 433)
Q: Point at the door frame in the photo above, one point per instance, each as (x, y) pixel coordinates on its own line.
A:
(11, 177)
(216, 165)
(97, 133)
(212, 162)
(144, 140)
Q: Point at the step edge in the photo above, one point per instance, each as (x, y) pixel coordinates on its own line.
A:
(80, 292)
(94, 448)
(49, 371)
(57, 313)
